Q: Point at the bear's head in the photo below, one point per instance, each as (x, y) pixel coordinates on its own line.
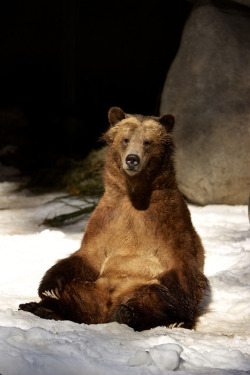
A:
(139, 143)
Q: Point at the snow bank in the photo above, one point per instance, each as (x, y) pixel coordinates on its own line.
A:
(33, 346)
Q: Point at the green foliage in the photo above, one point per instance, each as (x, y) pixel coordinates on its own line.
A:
(85, 176)
(74, 216)
(82, 180)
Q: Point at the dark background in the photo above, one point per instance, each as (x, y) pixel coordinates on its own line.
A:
(63, 64)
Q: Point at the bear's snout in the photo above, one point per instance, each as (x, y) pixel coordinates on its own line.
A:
(132, 160)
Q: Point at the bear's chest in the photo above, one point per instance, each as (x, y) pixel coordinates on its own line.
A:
(131, 231)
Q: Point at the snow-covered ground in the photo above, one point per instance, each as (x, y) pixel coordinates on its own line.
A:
(33, 346)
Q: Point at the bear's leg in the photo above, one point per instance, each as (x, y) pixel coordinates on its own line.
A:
(80, 302)
(149, 306)
(168, 303)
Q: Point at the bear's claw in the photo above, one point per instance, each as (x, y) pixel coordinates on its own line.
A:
(175, 325)
(51, 294)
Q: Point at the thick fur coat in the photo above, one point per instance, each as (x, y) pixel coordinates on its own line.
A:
(141, 260)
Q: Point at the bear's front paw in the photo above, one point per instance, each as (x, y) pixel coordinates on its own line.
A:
(51, 287)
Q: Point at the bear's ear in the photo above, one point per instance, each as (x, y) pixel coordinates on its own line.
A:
(115, 115)
(168, 121)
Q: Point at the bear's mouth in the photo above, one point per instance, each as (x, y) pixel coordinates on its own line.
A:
(132, 171)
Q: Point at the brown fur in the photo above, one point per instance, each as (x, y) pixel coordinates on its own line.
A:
(141, 260)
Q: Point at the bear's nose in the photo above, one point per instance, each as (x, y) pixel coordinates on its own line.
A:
(132, 160)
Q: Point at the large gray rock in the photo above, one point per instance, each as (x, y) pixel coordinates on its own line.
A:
(208, 91)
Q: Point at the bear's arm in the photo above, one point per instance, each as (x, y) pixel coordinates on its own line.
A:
(84, 264)
(64, 271)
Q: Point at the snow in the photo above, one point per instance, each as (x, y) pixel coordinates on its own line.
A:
(33, 346)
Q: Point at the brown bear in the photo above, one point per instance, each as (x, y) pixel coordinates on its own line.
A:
(141, 260)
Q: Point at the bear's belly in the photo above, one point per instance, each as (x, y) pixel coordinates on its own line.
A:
(128, 248)
(144, 266)
(123, 273)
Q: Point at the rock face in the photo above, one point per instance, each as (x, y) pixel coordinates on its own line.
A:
(208, 91)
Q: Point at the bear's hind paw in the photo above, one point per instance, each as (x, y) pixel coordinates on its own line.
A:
(51, 294)
(29, 307)
(125, 314)
(38, 310)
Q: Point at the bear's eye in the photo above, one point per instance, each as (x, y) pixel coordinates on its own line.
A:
(125, 140)
(147, 143)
